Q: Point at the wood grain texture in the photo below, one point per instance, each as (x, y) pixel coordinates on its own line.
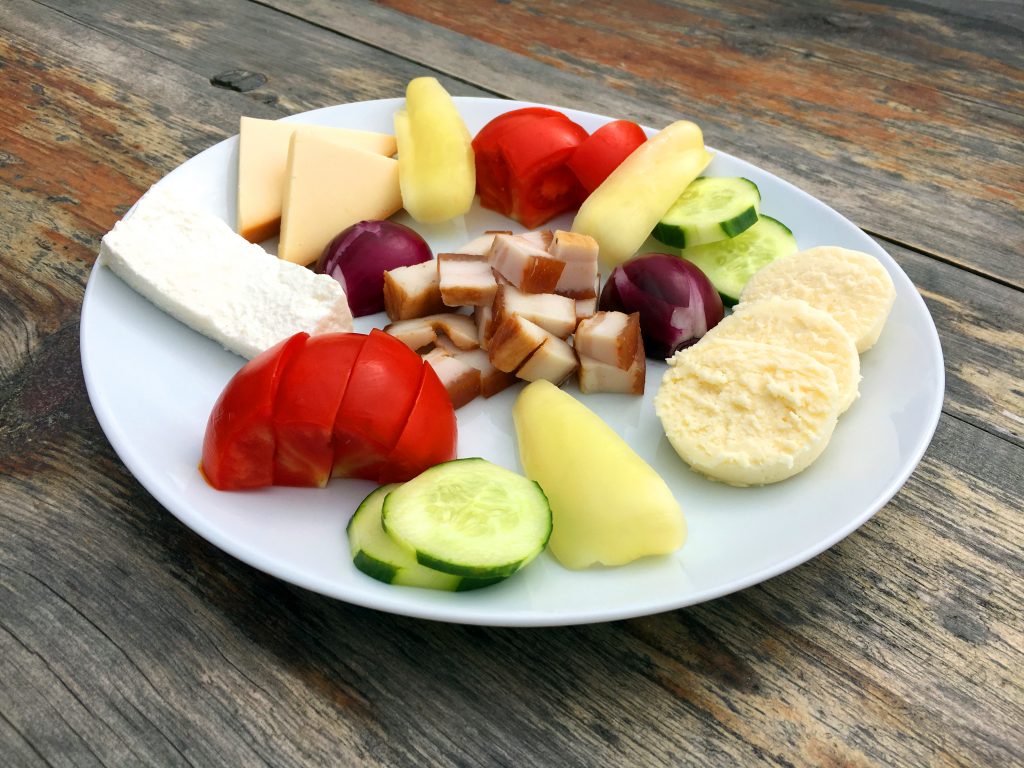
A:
(126, 639)
(842, 107)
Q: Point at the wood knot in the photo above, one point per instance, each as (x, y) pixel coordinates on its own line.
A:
(240, 80)
(848, 20)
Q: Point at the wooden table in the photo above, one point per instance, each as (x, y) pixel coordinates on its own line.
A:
(127, 639)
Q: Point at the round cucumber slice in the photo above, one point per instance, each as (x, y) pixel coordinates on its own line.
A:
(728, 264)
(469, 517)
(376, 555)
(709, 210)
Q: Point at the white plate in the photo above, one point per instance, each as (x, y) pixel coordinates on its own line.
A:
(153, 381)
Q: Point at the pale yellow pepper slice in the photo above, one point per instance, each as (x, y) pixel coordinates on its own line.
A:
(436, 169)
(621, 213)
(608, 505)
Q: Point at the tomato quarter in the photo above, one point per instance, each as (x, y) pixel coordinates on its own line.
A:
(521, 165)
(429, 436)
(380, 395)
(350, 405)
(238, 448)
(306, 407)
(604, 150)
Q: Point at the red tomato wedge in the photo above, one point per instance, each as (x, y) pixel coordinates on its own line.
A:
(521, 165)
(604, 150)
(306, 407)
(381, 391)
(429, 436)
(494, 130)
(346, 404)
(238, 448)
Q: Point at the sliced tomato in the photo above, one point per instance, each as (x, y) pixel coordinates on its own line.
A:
(490, 160)
(604, 150)
(493, 132)
(306, 406)
(430, 434)
(520, 165)
(380, 395)
(238, 447)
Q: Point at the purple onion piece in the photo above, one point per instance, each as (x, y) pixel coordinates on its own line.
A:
(359, 256)
(676, 301)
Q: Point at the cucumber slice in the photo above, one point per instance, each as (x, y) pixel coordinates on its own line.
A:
(710, 209)
(728, 264)
(376, 555)
(469, 517)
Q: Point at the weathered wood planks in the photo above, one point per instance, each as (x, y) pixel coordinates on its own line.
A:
(842, 108)
(127, 639)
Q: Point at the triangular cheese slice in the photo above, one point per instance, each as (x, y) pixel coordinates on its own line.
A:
(262, 156)
(330, 187)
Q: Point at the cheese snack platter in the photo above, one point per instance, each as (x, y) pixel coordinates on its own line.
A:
(153, 382)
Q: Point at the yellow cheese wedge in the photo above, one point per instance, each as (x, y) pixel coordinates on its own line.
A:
(262, 157)
(330, 187)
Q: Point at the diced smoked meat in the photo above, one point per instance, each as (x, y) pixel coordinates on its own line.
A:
(526, 266)
(555, 314)
(461, 379)
(585, 308)
(422, 331)
(579, 253)
(609, 337)
(465, 279)
(597, 376)
(484, 318)
(529, 293)
(514, 341)
(540, 238)
(445, 346)
(412, 291)
(479, 246)
(492, 381)
(554, 360)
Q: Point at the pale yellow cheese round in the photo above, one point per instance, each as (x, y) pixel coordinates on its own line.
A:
(795, 324)
(747, 413)
(852, 286)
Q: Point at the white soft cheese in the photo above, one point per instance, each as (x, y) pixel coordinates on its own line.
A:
(193, 266)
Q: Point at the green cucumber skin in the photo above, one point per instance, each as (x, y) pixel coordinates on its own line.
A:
(692, 232)
(728, 284)
(676, 236)
(472, 572)
(386, 561)
(469, 572)
(468, 585)
(741, 223)
(374, 568)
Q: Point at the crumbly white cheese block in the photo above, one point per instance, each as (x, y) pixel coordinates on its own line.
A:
(797, 325)
(852, 286)
(262, 159)
(193, 266)
(746, 413)
(328, 188)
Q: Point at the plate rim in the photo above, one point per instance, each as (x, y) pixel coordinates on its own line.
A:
(472, 614)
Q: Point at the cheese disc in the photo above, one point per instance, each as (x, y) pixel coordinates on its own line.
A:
(797, 325)
(851, 286)
(746, 413)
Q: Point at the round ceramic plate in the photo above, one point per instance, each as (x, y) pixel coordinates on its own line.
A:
(152, 382)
